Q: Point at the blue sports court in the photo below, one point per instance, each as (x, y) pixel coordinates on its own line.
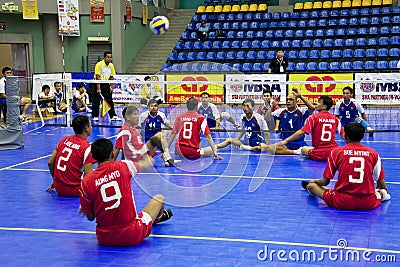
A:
(246, 210)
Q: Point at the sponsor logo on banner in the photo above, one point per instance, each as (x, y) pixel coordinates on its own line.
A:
(252, 86)
(179, 93)
(369, 89)
(313, 91)
(68, 18)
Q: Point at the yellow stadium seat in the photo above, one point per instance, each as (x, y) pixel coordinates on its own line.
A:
(356, 3)
(262, 7)
(327, 4)
(244, 8)
(387, 2)
(210, 9)
(227, 8)
(366, 3)
(298, 6)
(235, 8)
(346, 3)
(218, 9)
(308, 5)
(376, 2)
(337, 4)
(317, 5)
(201, 9)
(253, 7)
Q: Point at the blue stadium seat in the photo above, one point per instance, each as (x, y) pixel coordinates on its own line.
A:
(204, 17)
(266, 44)
(275, 44)
(309, 33)
(211, 56)
(240, 16)
(354, 12)
(361, 42)
(283, 24)
(325, 53)
(290, 66)
(262, 54)
(307, 43)
(370, 65)
(292, 24)
(258, 16)
(206, 67)
(198, 45)
(270, 34)
(396, 10)
(172, 56)
(363, 21)
(314, 14)
(358, 65)
(386, 20)
(351, 31)
(349, 42)
(240, 55)
(305, 14)
(226, 44)
(237, 66)
(362, 31)
(196, 17)
(338, 43)
(217, 26)
(384, 30)
(323, 65)
(271, 54)
(175, 68)
(334, 65)
(276, 15)
(246, 44)
(396, 20)
(257, 67)
(373, 31)
(231, 55)
(295, 15)
(343, 22)
(328, 42)
(217, 45)
(393, 64)
(375, 11)
(314, 54)
(165, 66)
(231, 35)
(394, 40)
(249, 16)
(222, 17)
(336, 53)
(260, 34)
(386, 10)
(348, 53)
(374, 21)
(236, 44)
(346, 65)
(333, 22)
(247, 67)
(179, 46)
(324, 13)
(300, 66)
(221, 55)
(394, 52)
(226, 67)
(273, 24)
(296, 43)
(191, 26)
(395, 30)
(192, 56)
(186, 67)
(330, 32)
(370, 52)
(240, 35)
(322, 23)
(286, 44)
(344, 13)
(383, 52)
(216, 67)
(185, 36)
(227, 26)
(383, 41)
(334, 13)
(303, 54)
(207, 45)
(193, 36)
(320, 32)
(312, 66)
(289, 33)
(293, 54)
(254, 25)
(201, 56)
(286, 15)
(266, 66)
(251, 55)
(353, 21)
(267, 16)
(279, 34)
(236, 25)
(303, 23)
(245, 25)
(358, 53)
(231, 17)
(256, 44)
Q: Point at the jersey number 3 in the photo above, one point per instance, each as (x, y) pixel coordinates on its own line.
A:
(360, 170)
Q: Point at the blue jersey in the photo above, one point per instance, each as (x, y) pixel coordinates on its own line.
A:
(291, 121)
(348, 112)
(59, 97)
(255, 124)
(211, 113)
(152, 125)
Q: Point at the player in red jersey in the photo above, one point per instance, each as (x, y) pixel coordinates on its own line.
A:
(359, 166)
(106, 194)
(323, 127)
(71, 154)
(130, 141)
(189, 126)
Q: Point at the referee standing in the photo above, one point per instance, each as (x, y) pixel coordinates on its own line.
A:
(279, 64)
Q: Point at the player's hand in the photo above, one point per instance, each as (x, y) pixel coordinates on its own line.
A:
(51, 187)
(281, 143)
(275, 102)
(296, 92)
(218, 157)
(98, 90)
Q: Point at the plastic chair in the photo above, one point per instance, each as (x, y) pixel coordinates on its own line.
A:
(349, 42)
(201, 56)
(265, 44)
(358, 53)
(337, 4)
(261, 55)
(241, 55)
(192, 56)
(165, 67)
(308, 6)
(383, 41)
(361, 42)
(312, 23)
(296, 43)
(386, 20)
(279, 34)
(256, 44)
(314, 54)
(300, 66)
(179, 46)
(201, 9)
(394, 52)
(334, 65)
(372, 42)
(290, 66)
(327, 4)
(211, 56)
(305, 14)
(336, 53)
(186, 67)
(376, 2)
(356, 3)
(206, 67)
(231, 55)
(346, 65)
(317, 5)
(247, 67)
(283, 24)
(358, 65)
(253, 7)
(218, 9)
(269, 34)
(271, 54)
(370, 65)
(348, 53)
(251, 55)
(309, 33)
(231, 17)
(317, 43)
(393, 64)
(375, 21)
(298, 6)
(323, 65)
(276, 44)
(246, 44)
(176, 68)
(395, 40)
(387, 2)
(341, 32)
(328, 43)
(333, 22)
(299, 33)
(325, 53)
(249, 16)
(227, 8)
(292, 24)
(322, 23)
(314, 14)
(172, 56)
(373, 31)
(303, 54)
(344, 13)
(354, 12)
(293, 54)
(370, 52)
(286, 16)
(312, 66)
(237, 66)
(307, 43)
(262, 7)
(362, 31)
(395, 30)
(276, 15)
(257, 67)
(366, 3)
(240, 35)
(226, 44)
(286, 44)
(303, 23)
(383, 52)
(330, 32)
(351, 31)
(346, 4)
(209, 9)
(245, 25)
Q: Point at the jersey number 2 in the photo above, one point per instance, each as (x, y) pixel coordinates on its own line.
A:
(60, 165)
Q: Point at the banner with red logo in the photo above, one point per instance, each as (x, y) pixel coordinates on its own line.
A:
(96, 10)
(185, 88)
(128, 10)
(313, 91)
(68, 18)
(386, 92)
(251, 86)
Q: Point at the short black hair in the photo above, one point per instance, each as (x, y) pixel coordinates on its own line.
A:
(55, 83)
(354, 131)
(106, 53)
(204, 93)
(348, 88)
(3, 70)
(267, 91)
(79, 123)
(147, 78)
(44, 87)
(250, 101)
(279, 49)
(154, 101)
(129, 111)
(80, 85)
(101, 149)
(327, 101)
(192, 103)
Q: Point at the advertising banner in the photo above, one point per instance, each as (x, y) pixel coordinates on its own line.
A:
(184, 89)
(49, 79)
(128, 92)
(379, 93)
(313, 91)
(68, 18)
(30, 9)
(251, 86)
(128, 10)
(96, 10)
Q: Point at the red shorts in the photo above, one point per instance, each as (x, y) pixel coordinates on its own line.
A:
(346, 201)
(67, 190)
(188, 152)
(320, 154)
(126, 235)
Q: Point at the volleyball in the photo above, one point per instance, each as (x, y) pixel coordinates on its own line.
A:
(159, 25)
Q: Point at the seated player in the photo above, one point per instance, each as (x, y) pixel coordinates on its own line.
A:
(45, 95)
(80, 100)
(268, 106)
(254, 127)
(61, 106)
(130, 141)
(358, 166)
(289, 120)
(322, 127)
(189, 126)
(71, 155)
(348, 110)
(106, 195)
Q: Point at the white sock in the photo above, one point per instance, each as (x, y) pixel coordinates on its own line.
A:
(297, 151)
(245, 147)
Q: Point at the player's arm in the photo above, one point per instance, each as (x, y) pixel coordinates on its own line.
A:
(212, 145)
(381, 184)
(364, 116)
(50, 163)
(321, 182)
(171, 139)
(87, 168)
(293, 137)
(277, 124)
(310, 106)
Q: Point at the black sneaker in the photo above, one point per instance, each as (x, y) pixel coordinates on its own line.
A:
(304, 184)
(172, 162)
(167, 214)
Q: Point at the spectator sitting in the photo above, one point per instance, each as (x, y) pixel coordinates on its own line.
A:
(80, 100)
(61, 106)
(202, 31)
(45, 95)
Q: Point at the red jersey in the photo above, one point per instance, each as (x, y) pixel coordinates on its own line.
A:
(189, 126)
(131, 142)
(358, 167)
(72, 153)
(323, 127)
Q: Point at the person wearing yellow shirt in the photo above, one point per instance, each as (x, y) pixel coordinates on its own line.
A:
(151, 90)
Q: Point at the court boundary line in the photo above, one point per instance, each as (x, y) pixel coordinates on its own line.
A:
(205, 238)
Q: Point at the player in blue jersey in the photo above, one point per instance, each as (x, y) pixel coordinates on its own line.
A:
(254, 128)
(209, 110)
(348, 110)
(288, 121)
(61, 106)
(153, 120)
